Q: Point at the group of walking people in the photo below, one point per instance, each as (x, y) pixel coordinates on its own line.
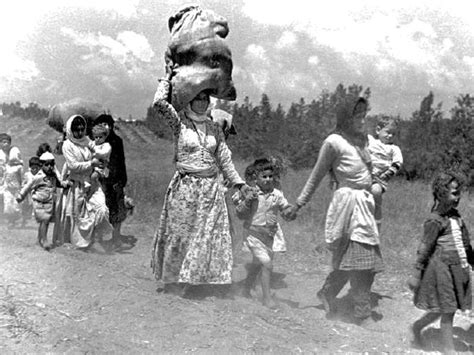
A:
(85, 199)
(193, 244)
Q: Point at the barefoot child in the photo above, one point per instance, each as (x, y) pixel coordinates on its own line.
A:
(441, 279)
(43, 189)
(10, 160)
(259, 211)
(34, 165)
(386, 159)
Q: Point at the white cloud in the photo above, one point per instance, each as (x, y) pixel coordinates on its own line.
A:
(256, 52)
(469, 61)
(129, 46)
(286, 41)
(137, 44)
(313, 60)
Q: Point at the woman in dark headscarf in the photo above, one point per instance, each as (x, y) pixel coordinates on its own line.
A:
(116, 180)
(351, 231)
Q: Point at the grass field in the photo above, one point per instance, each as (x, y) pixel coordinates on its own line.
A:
(150, 168)
(67, 301)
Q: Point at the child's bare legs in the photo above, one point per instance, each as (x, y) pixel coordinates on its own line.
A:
(265, 280)
(253, 269)
(43, 234)
(377, 191)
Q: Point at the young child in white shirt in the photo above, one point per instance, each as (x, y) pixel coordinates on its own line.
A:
(386, 159)
(259, 211)
(43, 188)
(100, 150)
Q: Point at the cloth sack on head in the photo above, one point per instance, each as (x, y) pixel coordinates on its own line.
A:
(197, 57)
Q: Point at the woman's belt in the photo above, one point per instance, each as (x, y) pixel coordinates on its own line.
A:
(186, 169)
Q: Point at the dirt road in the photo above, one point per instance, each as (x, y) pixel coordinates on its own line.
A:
(68, 301)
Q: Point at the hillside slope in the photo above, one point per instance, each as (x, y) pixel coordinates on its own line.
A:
(68, 301)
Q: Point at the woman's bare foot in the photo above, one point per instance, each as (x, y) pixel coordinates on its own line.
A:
(174, 288)
(270, 303)
(417, 338)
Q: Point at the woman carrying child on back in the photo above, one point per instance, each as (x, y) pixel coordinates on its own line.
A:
(441, 279)
(351, 231)
(260, 210)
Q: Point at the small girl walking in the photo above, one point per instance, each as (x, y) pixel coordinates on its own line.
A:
(441, 279)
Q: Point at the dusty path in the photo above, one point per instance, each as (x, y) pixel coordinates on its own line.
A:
(76, 302)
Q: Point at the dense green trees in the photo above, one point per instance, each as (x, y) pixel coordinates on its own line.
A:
(15, 109)
(429, 140)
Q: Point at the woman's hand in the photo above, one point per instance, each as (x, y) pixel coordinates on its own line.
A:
(248, 192)
(162, 91)
(96, 163)
(290, 213)
(414, 280)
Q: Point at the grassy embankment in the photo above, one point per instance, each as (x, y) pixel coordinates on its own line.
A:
(150, 167)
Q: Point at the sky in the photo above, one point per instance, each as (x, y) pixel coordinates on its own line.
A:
(112, 51)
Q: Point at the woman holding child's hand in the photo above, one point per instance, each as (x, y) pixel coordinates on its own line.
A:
(351, 231)
(193, 244)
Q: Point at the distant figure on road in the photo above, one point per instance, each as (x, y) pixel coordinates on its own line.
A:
(11, 171)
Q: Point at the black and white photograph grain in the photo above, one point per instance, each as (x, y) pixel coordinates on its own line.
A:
(237, 177)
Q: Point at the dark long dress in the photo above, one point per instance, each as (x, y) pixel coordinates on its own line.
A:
(114, 184)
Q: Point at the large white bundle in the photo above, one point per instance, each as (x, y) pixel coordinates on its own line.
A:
(198, 57)
(59, 113)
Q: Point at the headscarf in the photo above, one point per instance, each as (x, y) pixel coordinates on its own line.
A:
(193, 116)
(84, 141)
(344, 114)
(46, 156)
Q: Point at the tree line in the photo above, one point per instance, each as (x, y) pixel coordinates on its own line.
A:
(15, 109)
(430, 139)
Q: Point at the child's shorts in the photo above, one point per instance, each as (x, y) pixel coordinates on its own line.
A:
(259, 250)
(44, 211)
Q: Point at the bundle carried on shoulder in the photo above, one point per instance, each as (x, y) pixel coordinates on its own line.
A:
(60, 113)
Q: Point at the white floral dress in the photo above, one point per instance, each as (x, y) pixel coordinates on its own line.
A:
(193, 242)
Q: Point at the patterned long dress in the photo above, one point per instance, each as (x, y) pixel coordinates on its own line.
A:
(193, 242)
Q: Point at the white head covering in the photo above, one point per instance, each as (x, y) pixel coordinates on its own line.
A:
(196, 117)
(84, 141)
(46, 156)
